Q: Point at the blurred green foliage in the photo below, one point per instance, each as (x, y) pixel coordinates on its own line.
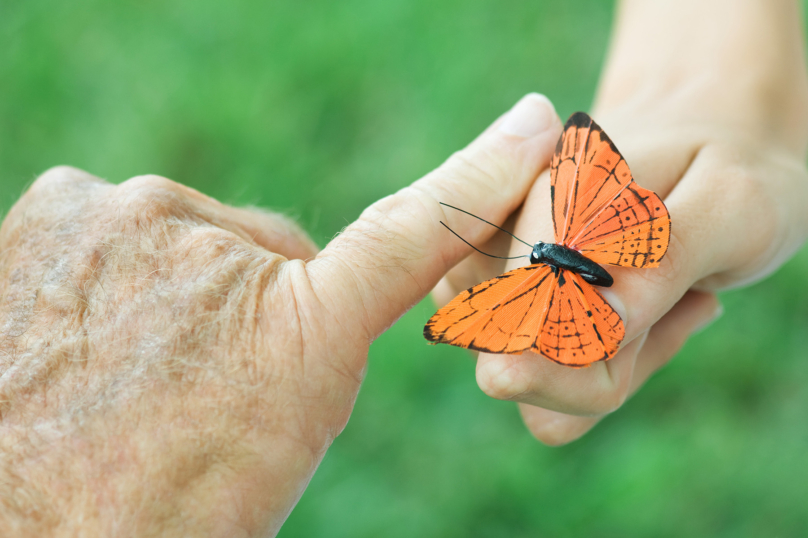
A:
(319, 108)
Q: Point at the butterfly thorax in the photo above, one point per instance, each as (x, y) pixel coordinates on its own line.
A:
(561, 257)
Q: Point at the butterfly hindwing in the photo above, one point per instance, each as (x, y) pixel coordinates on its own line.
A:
(633, 231)
(586, 173)
(580, 327)
(501, 315)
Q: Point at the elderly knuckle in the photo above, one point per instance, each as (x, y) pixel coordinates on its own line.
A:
(60, 179)
(58, 174)
(55, 204)
(216, 252)
(151, 198)
(210, 237)
(148, 184)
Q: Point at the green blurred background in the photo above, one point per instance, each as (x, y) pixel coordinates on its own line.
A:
(319, 108)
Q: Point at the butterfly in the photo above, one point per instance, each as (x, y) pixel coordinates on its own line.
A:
(600, 217)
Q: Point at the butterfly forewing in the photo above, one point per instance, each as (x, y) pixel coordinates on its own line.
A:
(586, 173)
(501, 315)
(598, 209)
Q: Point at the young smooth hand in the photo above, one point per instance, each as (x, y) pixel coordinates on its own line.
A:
(717, 125)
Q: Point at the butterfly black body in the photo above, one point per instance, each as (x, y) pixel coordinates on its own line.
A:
(561, 257)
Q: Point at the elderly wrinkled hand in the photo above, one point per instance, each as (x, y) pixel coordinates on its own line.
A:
(170, 363)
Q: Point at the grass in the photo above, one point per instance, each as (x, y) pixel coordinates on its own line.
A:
(319, 108)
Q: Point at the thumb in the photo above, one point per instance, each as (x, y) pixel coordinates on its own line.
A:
(396, 252)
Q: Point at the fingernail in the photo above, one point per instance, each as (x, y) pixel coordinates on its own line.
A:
(533, 114)
(719, 311)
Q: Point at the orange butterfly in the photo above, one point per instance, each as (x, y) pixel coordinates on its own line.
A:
(600, 216)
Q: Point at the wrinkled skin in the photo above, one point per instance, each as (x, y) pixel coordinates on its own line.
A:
(171, 365)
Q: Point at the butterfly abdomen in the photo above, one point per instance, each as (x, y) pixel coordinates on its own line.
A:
(561, 257)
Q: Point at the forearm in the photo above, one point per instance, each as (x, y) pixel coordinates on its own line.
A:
(738, 62)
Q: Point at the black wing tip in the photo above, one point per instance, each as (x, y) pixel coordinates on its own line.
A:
(582, 120)
(429, 334)
(434, 337)
(579, 119)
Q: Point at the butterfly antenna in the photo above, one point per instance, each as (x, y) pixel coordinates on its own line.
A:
(480, 251)
(489, 223)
